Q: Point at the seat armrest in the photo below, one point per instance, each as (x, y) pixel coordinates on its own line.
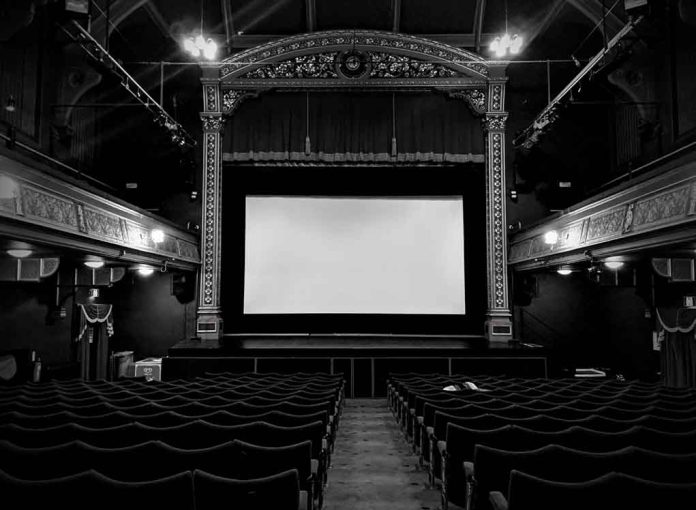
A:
(430, 431)
(420, 420)
(304, 501)
(315, 467)
(498, 501)
(442, 448)
(469, 470)
(412, 411)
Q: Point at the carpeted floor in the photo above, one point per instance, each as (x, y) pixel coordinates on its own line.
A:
(373, 468)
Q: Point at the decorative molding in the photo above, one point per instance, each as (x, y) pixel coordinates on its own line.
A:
(496, 213)
(210, 93)
(352, 157)
(362, 41)
(475, 99)
(496, 98)
(494, 122)
(210, 220)
(653, 206)
(65, 211)
(48, 207)
(214, 122)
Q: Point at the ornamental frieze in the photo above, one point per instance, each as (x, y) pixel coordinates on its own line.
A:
(663, 207)
(349, 65)
(103, 225)
(38, 204)
(607, 224)
(355, 40)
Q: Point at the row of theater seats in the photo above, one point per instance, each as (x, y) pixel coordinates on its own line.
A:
(201, 438)
(498, 441)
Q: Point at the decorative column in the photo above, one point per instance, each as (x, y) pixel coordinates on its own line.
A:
(498, 326)
(209, 321)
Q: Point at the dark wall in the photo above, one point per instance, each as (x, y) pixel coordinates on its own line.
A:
(589, 324)
(148, 317)
(27, 320)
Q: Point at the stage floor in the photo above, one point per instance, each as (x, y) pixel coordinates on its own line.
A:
(365, 360)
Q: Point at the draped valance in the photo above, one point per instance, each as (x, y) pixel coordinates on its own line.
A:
(353, 127)
(96, 321)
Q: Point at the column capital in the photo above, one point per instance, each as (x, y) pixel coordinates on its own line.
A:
(213, 122)
(494, 122)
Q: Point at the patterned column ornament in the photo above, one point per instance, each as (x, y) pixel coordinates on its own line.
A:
(499, 324)
(209, 323)
(475, 99)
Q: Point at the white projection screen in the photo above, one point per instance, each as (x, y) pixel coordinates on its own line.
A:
(345, 255)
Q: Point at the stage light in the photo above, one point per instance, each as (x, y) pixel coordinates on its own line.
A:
(8, 187)
(564, 271)
(157, 235)
(551, 237)
(200, 46)
(145, 270)
(614, 264)
(94, 264)
(19, 253)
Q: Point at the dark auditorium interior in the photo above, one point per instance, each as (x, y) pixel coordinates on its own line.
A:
(332, 254)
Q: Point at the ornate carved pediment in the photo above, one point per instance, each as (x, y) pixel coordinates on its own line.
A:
(351, 55)
(354, 65)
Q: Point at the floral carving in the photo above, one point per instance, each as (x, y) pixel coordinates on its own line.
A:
(662, 207)
(494, 122)
(48, 207)
(607, 224)
(387, 65)
(213, 122)
(321, 65)
(475, 99)
(103, 225)
(360, 39)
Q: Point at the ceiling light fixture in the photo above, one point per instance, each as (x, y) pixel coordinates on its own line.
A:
(502, 45)
(94, 264)
(145, 270)
(564, 271)
(19, 254)
(614, 264)
(199, 45)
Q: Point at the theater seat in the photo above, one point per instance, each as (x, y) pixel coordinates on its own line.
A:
(276, 492)
(90, 490)
(608, 492)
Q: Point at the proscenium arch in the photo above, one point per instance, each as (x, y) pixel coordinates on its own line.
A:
(358, 60)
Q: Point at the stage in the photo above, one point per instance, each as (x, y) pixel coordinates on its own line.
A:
(364, 359)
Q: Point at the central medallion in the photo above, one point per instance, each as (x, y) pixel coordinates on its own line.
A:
(352, 64)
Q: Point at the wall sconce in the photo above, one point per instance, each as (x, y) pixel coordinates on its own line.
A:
(157, 235)
(11, 104)
(551, 237)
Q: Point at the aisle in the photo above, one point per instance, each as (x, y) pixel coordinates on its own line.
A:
(373, 466)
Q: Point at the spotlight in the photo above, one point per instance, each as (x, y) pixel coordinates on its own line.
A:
(198, 46)
(614, 264)
(94, 264)
(551, 237)
(157, 235)
(19, 253)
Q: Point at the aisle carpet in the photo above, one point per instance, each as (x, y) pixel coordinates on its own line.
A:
(373, 468)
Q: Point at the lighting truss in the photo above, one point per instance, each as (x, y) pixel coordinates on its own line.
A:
(530, 136)
(179, 135)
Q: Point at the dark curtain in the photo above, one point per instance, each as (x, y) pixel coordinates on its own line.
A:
(678, 347)
(354, 127)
